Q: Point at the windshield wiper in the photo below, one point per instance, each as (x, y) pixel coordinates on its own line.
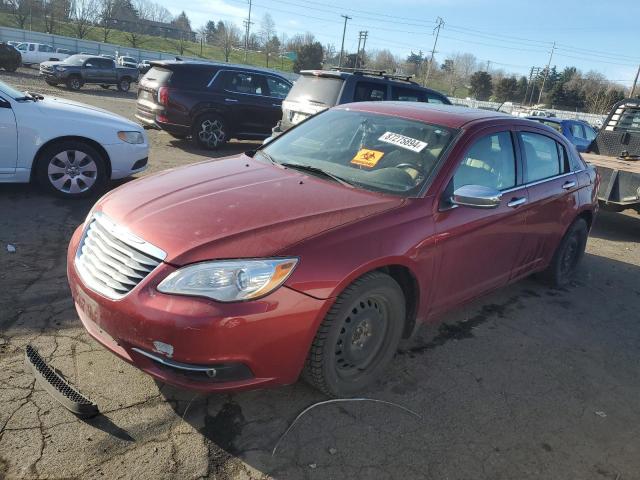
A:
(267, 156)
(319, 171)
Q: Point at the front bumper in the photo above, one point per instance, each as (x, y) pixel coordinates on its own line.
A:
(269, 337)
(127, 158)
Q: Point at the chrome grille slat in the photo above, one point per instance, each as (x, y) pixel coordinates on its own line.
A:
(111, 260)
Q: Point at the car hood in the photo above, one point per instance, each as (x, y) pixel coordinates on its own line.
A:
(235, 207)
(57, 108)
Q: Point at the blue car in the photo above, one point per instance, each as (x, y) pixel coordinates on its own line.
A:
(578, 132)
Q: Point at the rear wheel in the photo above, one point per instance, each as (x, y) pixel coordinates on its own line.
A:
(12, 68)
(358, 337)
(210, 131)
(74, 83)
(124, 85)
(71, 169)
(568, 255)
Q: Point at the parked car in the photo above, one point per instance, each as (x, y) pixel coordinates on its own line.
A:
(104, 55)
(317, 90)
(144, 66)
(34, 53)
(10, 58)
(78, 70)
(128, 62)
(319, 251)
(211, 102)
(66, 51)
(69, 148)
(580, 133)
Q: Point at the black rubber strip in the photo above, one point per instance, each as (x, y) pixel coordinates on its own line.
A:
(58, 387)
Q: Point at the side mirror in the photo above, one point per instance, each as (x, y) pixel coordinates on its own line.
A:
(476, 196)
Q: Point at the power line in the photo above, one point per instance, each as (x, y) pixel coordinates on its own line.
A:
(344, 31)
(246, 35)
(436, 30)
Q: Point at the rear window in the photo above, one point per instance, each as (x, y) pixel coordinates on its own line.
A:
(319, 90)
(192, 78)
(157, 74)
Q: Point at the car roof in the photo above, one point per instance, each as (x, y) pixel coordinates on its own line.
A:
(545, 119)
(451, 116)
(180, 64)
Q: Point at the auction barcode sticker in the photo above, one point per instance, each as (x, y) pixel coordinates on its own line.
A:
(403, 142)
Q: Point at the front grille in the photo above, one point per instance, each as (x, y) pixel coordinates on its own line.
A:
(111, 260)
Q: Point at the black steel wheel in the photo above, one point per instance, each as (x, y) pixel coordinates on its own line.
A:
(358, 337)
(568, 255)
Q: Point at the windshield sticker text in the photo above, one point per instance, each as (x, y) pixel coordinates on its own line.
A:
(367, 158)
(403, 142)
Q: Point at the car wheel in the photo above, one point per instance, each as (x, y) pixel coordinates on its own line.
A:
(106, 87)
(71, 169)
(568, 255)
(124, 85)
(210, 132)
(12, 68)
(74, 83)
(358, 337)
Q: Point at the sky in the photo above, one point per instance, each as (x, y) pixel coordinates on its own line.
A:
(513, 35)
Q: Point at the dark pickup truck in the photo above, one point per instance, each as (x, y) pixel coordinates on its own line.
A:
(77, 70)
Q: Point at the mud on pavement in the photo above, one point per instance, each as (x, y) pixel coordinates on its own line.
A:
(524, 383)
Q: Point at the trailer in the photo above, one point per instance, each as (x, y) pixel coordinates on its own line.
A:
(615, 152)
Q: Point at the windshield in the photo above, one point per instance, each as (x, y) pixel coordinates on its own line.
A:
(319, 90)
(77, 60)
(10, 91)
(371, 151)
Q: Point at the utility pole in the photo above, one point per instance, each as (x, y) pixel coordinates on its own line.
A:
(362, 40)
(358, 51)
(488, 65)
(364, 43)
(344, 31)
(635, 82)
(534, 71)
(546, 72)
(246, 34)
(439, 24)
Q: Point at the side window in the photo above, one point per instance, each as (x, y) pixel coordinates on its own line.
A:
(590, 133)
(434, 99)
(366, 92)
(489, 162)
(32, 47)
(407, 95)
(46, 48)
(542, 157)
(247, 83)
(577, 131)
(277, 88)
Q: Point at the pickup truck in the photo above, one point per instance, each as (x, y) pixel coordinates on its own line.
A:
(77, 70)
(33, 53)
(615, 152)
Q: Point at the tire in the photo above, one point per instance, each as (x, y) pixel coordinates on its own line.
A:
(106, 87)
(62, 173)
(74, 83)
(124, 85)
(210, 131)
(567, 256)
(358, 337)
(12, 68)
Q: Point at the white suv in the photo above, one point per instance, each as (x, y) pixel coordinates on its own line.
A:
(69, 148)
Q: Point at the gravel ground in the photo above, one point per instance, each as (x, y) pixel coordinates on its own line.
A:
(525, 383)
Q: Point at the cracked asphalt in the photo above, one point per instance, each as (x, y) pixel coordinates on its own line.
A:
(524, 383)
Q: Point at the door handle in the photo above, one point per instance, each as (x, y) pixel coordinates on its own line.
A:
(231, 100)
(515, 202)
(568, 185)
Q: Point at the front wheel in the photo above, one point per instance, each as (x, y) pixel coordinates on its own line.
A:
(124, 85)
(71, 169)
(74, 83)
(210, 131)
(358, 337)
(568, 255)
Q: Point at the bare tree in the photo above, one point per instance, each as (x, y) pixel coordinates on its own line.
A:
(135, 39)
(107, 8)
(267, 28)
(21, 10)
(83, 15)
(227, 37)
(383, 60)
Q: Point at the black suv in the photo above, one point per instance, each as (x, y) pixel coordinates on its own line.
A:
(10, 57)
(317, 90)
(211, 102)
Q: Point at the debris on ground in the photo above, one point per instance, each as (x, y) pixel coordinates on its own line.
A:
(338, 400)
(333, 451)
(11, 248)
(312, 466)
(601, 414)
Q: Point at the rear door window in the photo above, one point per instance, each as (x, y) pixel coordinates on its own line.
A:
(407, 94)
(590, 133)
(369, 91)
(435, 99)
(245, 83)
(277, 87)
(543, 156)
(577, 130)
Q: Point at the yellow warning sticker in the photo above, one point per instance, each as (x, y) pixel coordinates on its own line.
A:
(367, 158)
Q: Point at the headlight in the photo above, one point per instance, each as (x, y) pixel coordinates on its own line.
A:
(229, 280)
(131, 137)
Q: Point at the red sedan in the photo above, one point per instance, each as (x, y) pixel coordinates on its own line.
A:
(318, 252)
